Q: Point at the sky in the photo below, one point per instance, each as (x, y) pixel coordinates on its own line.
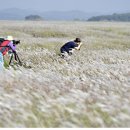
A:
(102, 6)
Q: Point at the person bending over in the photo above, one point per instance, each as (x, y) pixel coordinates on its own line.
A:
(69, 47)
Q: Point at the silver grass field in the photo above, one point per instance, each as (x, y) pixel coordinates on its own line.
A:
(89, 89)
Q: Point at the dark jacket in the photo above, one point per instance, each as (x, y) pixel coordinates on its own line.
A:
(68, 46)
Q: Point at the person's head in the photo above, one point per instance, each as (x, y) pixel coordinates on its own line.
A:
(77, 40)
(10, 38)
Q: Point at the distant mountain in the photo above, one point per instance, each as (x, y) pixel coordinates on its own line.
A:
(114, 17)
(20, 14)
(15, 14)
(67, 15)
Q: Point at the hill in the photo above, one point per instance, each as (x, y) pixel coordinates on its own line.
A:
(114, 17)
(67, 15)
(34, 18)
(20, 14)
(14, 14)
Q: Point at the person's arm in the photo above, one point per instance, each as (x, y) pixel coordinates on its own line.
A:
(12, 46)
(79, 46)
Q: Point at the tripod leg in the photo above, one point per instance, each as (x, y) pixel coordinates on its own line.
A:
(11, 59)
(15, 56)
(18, 59)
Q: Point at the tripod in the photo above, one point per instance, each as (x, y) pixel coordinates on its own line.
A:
(16, 57)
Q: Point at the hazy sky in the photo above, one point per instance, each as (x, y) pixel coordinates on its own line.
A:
(65, 5)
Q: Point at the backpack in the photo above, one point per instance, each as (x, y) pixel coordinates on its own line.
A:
(3, 46)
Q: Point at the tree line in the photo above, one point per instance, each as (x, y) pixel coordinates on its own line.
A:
(33, 17)
(125, 17)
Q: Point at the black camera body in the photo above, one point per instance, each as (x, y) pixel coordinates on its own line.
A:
(16, 42)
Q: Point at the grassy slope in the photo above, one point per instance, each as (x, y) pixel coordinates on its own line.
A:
(89, 89)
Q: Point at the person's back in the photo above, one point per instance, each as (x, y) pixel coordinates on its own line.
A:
(68, 46)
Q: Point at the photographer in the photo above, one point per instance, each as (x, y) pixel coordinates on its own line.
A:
(69, 47)
(5, 46)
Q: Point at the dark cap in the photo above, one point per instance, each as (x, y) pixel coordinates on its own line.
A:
(77, 40)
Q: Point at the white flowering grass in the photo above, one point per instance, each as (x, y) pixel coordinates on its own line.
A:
(89, 89)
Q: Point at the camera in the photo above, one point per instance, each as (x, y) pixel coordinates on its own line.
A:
(16, 42)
